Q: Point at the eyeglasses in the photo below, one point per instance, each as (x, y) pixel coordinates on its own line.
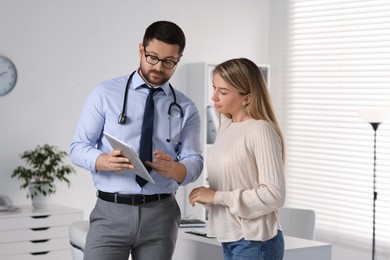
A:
(153, 60)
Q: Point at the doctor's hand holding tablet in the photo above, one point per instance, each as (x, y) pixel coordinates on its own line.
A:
(124, 157)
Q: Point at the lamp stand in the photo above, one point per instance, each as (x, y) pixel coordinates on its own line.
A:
(375, 127)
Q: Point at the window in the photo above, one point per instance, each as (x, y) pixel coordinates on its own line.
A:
(338, 61)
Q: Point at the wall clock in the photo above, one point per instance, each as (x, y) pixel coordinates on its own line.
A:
(8, 75)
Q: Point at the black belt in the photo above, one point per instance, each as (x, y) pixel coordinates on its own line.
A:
(130, 199)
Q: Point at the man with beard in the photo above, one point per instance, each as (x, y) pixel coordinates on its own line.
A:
(131, 215)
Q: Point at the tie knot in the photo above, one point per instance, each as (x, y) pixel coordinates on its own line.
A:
(154, 90)
(151, 90)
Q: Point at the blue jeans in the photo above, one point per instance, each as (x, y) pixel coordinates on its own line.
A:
(272, 249)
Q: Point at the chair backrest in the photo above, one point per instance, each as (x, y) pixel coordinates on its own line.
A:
(78, 234)
(297, 222)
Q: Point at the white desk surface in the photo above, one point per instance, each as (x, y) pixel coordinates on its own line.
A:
(193, 247)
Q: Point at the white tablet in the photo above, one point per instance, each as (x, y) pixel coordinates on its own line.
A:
(129, 152)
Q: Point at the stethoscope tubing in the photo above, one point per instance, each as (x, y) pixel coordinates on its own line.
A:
(123, 118)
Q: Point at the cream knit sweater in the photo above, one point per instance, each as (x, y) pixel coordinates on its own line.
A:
(245, 167)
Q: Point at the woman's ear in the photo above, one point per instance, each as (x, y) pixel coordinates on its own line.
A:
(246, 100)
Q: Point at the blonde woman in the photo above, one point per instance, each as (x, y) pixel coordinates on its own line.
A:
(245, 166)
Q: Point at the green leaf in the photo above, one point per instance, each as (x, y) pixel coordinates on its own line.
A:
(43, 165)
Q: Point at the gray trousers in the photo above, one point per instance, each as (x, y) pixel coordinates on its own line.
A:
(148, 232)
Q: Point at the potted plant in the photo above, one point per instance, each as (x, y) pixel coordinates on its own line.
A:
(44, 167)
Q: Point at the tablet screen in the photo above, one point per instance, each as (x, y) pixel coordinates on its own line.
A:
(129, 152)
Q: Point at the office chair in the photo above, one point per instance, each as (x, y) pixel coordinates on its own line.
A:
(297, 222)
(78, 234)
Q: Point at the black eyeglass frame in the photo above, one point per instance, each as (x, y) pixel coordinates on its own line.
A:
(156, 60)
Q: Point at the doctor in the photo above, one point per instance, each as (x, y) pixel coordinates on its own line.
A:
(131, 215)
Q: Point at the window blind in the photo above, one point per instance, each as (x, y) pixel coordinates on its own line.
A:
(338, 62)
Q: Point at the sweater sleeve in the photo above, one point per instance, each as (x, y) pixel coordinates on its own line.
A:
(264, 146)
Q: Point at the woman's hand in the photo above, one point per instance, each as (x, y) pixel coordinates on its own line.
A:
(202, 195)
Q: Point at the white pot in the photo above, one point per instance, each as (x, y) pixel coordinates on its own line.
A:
(39, 201)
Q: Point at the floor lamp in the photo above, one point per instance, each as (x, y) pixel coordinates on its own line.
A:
(374, 117)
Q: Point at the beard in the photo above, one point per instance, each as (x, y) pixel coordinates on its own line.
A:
(154, 77)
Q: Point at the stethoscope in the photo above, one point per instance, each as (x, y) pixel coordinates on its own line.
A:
(123, 118)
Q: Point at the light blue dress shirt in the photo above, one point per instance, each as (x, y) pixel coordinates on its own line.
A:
(100, 113)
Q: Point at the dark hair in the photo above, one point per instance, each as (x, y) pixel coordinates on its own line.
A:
(167, 32)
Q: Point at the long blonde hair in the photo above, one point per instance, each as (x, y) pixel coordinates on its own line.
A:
(244, 75)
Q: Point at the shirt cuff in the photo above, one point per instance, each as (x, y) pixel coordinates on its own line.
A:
(222, 198)
(92, 158)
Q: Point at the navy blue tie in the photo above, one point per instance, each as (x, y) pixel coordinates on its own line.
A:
(145, 150)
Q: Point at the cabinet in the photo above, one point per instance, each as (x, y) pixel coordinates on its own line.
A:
(200, 90)
(38, 234)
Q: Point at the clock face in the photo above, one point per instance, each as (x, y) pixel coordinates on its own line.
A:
(8, 75)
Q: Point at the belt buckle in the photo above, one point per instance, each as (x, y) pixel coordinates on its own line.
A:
(143, 199)
(116, 198)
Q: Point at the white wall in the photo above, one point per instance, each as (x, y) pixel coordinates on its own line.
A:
(63, 48)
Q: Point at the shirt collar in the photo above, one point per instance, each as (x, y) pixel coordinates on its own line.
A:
(137, 81)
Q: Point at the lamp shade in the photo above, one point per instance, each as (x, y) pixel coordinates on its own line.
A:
(374, 115)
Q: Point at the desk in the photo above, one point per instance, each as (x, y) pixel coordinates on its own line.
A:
(192, 247)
